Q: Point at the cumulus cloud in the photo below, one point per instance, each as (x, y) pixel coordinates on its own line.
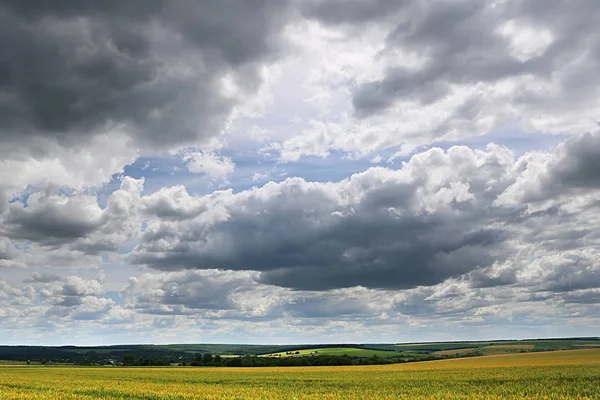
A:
(443, 71)
(495, 275)
(76, 221)
(439, 216)
(186, 292)
(74, 299)
(566, 271)
(572, 168)
(57, 216)
(445, 300)
(209, 163)
(158, 68)
(8, 252)
(237, 295)
(382, 228)
(431, 237)
(41, 277)
(90, 165)
(92, 308)
(71, 290)
(148, 75)
(6, 290)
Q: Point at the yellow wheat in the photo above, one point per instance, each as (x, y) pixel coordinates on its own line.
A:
(552, 375)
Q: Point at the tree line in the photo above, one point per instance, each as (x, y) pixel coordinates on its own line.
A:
(210, 360)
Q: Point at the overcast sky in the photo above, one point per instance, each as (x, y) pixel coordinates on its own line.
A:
(298, 171)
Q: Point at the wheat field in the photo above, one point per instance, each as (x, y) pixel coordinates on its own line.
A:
(549, 375)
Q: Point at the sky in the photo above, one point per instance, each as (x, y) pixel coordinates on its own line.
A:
(298, 171)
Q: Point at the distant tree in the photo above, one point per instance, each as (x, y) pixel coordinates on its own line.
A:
(129, 360)
(217, 359)
(207, 358)
(234, 362)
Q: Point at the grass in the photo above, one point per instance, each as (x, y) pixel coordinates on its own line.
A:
(494, 347)
(11, 362)
(455, 352)
(430, 347)
(334, 351)
(510, 346)
(550, 375)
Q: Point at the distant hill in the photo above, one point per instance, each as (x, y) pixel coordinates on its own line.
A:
(187, 353)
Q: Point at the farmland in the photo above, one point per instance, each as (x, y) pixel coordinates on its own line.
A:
(544, 375)
(254, 355)
(334, 351)
(495, 347)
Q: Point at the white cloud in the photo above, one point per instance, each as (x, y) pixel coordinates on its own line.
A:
(305, 234)
(405, 78)
(209, 163)
(456, 241)
(55, 229)
(91, 165)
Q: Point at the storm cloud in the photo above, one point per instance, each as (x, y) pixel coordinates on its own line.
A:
(381, 228)
(153, 70)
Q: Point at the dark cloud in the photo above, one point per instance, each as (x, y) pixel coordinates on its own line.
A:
(7, 251)
(457, 39)
(573, 168)
(351, 11)
(591, 297)
(436, 218)
(236, 295)
(490, 277)
(448, 300)
(415, 304)
(75, 221)
(65, 295)
(186, 292)
(388, 257)
(379, 229)
(328, 306)
(569, 271)
(153, 69)
(89, 308)
(48, 220)
(578, 163)
(3, 200)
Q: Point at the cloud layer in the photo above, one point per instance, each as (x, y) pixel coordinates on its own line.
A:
(387, 170)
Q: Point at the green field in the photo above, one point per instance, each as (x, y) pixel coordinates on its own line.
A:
(499, 346)
(544, 375)
(334, 351)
